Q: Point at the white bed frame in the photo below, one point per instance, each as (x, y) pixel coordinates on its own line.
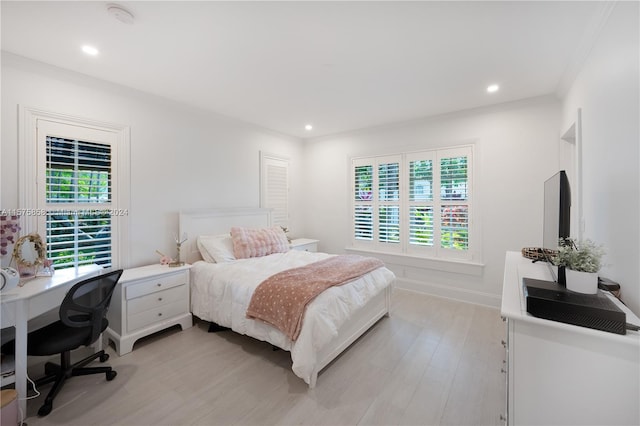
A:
(220, 221)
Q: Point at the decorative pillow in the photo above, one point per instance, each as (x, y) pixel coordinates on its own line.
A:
(216, 248)
(249, 242)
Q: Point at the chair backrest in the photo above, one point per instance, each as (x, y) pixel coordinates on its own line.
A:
(86, 304)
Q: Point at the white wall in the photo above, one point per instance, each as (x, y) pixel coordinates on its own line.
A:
(180, 157)
(516, 150)
(607, 91)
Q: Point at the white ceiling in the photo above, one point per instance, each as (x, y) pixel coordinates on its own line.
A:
(339, 65)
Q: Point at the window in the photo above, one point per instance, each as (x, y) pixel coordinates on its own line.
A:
(414, 203)
(75, 183)
(77, 202)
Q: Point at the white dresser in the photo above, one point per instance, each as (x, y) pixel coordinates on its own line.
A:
(563, 374)
(148, 299)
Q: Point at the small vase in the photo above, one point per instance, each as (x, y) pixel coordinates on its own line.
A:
(582, 282)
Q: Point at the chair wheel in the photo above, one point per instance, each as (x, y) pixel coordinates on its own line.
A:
(104, 357)
(50, 368)
(44, 410)
(111, 375)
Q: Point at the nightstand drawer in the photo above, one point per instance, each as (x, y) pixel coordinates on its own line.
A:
(154, 315)
(313, 247)
(153, 285)
(159, 298)
(304, 244)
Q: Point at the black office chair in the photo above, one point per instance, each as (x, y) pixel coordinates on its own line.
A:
(82, 320)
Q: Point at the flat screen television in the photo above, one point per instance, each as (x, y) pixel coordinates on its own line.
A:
(557, 213)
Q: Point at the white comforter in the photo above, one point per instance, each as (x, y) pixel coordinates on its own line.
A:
(220, 292)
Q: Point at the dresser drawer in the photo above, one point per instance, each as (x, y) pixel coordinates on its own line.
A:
(155, 284)
(159, 298)
(154, 315)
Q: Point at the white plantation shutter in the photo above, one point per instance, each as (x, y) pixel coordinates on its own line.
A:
(76, 194)
(79, 238)
(454, 199)
(274, 188)
(363, 202)
(420, 199)
(77, 171)
(377, 202)
(389, 202)
(416, 203)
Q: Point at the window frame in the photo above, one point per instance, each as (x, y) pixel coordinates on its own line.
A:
(434, 251)
(31, 181)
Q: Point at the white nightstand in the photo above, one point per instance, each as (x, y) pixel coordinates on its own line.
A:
(148, 299)
(304, 244)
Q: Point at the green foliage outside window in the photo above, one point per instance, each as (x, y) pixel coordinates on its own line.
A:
(364, 183)
(422, 226)
(68, 186)
(85, 236)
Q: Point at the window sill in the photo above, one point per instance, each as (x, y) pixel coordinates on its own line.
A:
(459, 266)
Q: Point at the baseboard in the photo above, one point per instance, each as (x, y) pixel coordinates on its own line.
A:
(460, 294)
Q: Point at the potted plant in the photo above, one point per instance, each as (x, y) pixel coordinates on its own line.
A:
(582, 260)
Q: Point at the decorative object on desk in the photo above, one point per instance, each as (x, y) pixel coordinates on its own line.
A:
(164, 259)
(9, 228)
(29, 254)
(47, 268)
(179, 241)
(582, 260)
(9, 279)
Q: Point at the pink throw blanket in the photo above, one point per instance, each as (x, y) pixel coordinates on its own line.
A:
(282, 299)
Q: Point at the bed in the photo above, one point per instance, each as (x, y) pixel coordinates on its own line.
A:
(221, 292)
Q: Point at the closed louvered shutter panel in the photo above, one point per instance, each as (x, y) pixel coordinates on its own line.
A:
(389, 202)
(275, 188)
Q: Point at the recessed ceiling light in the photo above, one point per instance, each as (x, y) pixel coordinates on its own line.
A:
(308, 127)
(493, 88)
(90, 50)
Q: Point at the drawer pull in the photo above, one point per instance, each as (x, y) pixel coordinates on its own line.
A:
(159, 314)
(159, 299)
(159, 284)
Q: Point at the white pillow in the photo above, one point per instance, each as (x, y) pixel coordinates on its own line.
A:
(216, 248)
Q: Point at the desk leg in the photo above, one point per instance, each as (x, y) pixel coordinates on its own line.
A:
(21, 356)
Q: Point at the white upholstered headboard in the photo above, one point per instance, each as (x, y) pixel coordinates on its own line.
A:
(215, 222)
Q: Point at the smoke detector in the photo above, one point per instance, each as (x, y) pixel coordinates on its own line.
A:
(120, 13)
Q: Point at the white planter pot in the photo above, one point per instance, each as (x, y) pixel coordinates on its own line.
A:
(582, 282)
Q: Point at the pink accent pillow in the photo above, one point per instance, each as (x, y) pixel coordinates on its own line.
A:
(249, 242)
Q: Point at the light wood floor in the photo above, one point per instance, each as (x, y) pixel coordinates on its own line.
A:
(433, 361)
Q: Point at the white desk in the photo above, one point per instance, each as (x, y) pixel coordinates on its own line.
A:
(37, 296)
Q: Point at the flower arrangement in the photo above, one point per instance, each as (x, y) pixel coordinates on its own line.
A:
(9, 227)
(583, 256)
(285, 230)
